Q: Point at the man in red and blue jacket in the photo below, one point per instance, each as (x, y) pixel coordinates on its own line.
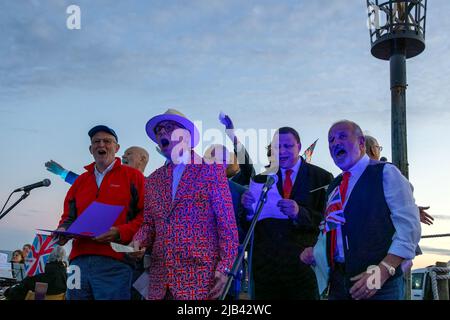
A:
(104, 274)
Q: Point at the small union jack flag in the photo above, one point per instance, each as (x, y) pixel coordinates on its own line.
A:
(334, 214)
(42, 246)
(307, 155)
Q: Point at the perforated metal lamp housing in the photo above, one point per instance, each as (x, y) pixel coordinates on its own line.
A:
(395, 22)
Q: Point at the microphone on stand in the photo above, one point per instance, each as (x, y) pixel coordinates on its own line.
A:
(271, 180)
(26, 189)
(43, 183)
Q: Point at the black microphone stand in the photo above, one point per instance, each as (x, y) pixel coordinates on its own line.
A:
(233, 273)
(24, 195)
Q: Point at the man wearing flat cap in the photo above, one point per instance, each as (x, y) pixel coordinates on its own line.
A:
(103, 273)
(189, 225)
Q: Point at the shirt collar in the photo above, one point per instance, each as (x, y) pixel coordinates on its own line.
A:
(359, 166)
(98, 173)
(295, 168)
(183, 159)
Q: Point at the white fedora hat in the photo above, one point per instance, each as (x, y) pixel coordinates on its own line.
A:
(176, 116)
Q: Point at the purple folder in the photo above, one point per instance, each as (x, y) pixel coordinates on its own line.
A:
(95, 220)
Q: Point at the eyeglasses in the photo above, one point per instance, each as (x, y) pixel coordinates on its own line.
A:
(105, 141)
(168, 127)
(379, 148)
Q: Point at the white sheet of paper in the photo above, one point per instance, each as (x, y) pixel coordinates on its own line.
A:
(5, 271)
(221, 116)
(117, 247)
(321, 269)
(141, 284)
(270, 209)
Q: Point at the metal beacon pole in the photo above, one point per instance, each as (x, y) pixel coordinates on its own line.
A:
(397, 33)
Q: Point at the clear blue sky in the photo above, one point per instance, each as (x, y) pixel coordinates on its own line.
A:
(266, 63)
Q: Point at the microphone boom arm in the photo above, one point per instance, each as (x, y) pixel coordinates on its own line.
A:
(24, 195)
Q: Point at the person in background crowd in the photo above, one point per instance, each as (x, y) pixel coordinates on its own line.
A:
(373, 150)
(26, 249)
(135, 157)
(55, 276)
(17, 257)
(240, 167)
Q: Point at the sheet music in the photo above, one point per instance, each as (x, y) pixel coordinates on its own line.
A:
(270, 209)
(95, 220)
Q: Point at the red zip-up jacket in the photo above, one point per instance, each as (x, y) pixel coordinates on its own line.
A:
(122, 186)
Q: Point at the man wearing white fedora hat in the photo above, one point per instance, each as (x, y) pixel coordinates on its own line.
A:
(189, 225)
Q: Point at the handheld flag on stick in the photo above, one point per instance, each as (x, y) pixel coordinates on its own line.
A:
(334, 213)
(40, 251)
(307, 155)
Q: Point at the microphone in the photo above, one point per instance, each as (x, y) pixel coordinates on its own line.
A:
(43, 183)
(383, 159)
(271, 180)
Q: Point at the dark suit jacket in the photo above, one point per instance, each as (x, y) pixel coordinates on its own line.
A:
(246, 169)
(278, 243)
(237, 191)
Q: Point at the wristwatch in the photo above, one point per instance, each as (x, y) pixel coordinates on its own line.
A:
(389, 268)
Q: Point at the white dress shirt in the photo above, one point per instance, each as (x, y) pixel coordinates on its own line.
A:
(294, 173)
(178, 170)
(100, 175)
(400, 200)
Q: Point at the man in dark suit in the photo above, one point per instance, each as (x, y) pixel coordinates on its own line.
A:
(277, 271)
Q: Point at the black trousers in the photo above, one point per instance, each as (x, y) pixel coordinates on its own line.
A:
(281, 285)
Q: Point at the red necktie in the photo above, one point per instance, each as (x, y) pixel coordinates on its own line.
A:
(287, 185)
(343, 186)
(343, 191)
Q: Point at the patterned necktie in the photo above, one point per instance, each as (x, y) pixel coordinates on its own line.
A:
(287, 185)
(343, 192)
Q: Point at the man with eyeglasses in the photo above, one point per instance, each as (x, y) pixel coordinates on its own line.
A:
(104, 274)
(373, 148)
(189, 225)
(276, 270)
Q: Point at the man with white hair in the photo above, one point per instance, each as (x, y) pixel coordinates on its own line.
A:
(371, 220)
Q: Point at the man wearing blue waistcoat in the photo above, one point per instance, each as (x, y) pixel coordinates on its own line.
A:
(371, 221)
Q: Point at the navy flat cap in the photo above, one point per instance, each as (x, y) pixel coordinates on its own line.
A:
(102, 128)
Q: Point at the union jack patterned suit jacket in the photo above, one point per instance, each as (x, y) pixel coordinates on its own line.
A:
(190, 237)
